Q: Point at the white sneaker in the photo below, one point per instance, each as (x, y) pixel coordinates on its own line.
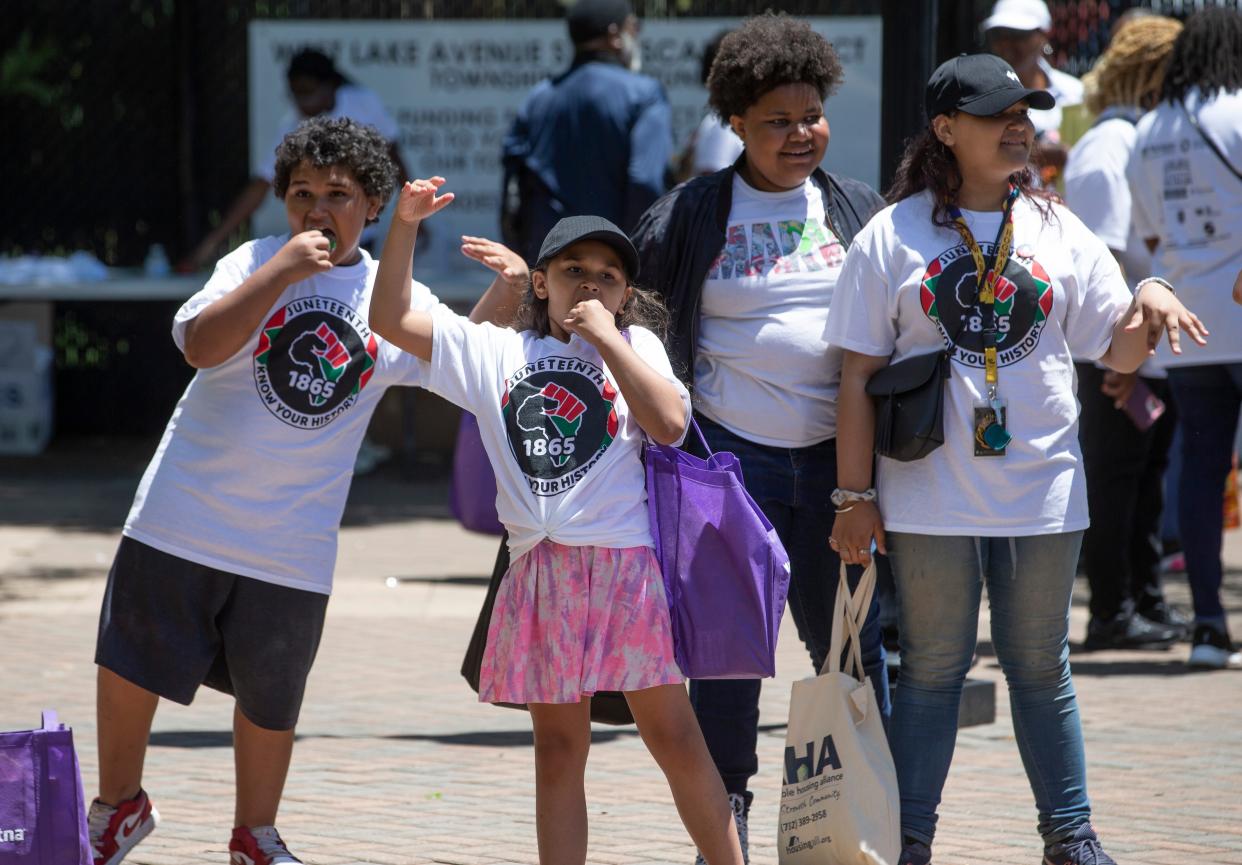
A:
(1213, 650)
(738, 804)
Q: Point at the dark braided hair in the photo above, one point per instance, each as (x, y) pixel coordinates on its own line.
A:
(764, 53)
(1207, 55)
(323, 142)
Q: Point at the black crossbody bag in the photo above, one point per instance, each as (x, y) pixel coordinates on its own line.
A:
(909, 405)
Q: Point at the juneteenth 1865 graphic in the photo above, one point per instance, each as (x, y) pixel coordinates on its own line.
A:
(315, 355)
(560, 418)
(950, 297)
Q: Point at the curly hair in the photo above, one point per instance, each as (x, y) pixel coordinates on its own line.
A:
(764, 53)
(643, 309)
(1131, 70)
(323, 142)
(929, 164)
(1207, 55)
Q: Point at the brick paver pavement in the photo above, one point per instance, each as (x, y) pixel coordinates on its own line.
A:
(396, 763)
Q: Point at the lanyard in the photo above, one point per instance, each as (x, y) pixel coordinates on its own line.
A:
(986, 277)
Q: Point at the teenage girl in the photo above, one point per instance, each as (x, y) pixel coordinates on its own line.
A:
(563, 400)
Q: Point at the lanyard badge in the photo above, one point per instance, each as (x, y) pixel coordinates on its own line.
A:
(991, 415)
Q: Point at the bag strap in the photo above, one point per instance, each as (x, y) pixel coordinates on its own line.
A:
(694, 425)
(51, 721)
(1215, 148)
(848, 615)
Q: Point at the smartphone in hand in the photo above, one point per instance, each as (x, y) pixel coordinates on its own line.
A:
(1143, 407)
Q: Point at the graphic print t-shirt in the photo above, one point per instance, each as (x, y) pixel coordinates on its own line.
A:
(762, 367)
(909, 288)
(1185, 196)
(253, 470)
(556, 428)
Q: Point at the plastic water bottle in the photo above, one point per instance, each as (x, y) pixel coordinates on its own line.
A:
(157, 261)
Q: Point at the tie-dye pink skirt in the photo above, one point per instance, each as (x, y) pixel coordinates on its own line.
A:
(570, 621)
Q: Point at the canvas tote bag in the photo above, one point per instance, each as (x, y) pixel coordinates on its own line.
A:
(839, 802)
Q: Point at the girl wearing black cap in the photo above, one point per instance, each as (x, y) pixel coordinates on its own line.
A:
(746, 259)
(970, 260)
(563, 400)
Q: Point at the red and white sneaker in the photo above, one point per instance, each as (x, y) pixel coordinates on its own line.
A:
(116, 831)
(259, 845)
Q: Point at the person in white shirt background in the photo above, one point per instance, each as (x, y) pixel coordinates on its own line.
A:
(1185, 178)
(1017, 31)
(1125, 446)
(316, 87)
(1002, 501)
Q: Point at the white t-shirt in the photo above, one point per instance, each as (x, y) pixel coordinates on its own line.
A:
(905, 281)
(762, 368)
(1067, 90)
(356, 103)
(556, 428)
(253, 470)
(1097, 191)
(716, 146)
(1187, 198)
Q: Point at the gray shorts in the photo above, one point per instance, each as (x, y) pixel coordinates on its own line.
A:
(169, 625)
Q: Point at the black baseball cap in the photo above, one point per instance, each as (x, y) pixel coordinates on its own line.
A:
(979, 84)
(572, 229)
(590, 19)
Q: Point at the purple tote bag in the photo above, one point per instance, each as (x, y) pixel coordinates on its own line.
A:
(42, 809)
(726, 572)
(472, 492)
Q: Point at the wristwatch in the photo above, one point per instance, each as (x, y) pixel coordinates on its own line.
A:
(840, 496)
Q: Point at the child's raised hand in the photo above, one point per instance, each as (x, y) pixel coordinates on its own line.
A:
(507, 264)
(304, 255)
(592, 321)
(418, 199)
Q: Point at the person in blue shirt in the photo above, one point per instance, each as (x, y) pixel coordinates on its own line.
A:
(597, 139)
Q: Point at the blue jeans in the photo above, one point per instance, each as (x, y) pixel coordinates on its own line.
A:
(1208, 399)
(1030, 580)
(792, 486)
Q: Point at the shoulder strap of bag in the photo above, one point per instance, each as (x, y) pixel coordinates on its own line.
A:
(1215, 148)
(694, 425)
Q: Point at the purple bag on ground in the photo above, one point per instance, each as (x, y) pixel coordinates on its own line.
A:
(42, 809)
(472, 491)
(726, 572)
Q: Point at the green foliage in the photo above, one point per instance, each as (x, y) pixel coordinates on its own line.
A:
(24, 70)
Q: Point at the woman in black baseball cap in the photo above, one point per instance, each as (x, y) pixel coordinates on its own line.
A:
(974, 268)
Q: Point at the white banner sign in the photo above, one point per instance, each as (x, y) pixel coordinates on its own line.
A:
(454, 87)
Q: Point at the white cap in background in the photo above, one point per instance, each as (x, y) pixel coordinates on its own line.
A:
(1019, 15)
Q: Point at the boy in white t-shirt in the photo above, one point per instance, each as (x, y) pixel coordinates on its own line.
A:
(225, 565)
